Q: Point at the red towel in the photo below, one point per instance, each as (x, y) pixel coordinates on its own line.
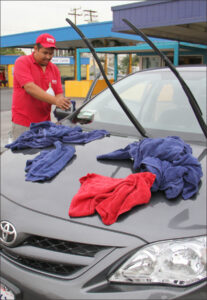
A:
(110, 197)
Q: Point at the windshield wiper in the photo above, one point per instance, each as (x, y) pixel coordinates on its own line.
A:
(116, 95)
(191, 98)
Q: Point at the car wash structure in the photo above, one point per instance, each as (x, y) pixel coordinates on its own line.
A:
(179, 52)
(162, 20)
(180, 20)
(67, 42)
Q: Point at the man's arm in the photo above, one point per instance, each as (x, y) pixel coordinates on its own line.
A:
(38, 93)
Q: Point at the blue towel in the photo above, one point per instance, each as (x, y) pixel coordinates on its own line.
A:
(170, 159)
(84, 137)
(49, 162)
(44, 134)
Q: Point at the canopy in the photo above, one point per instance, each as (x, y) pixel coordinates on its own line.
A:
(180, 20)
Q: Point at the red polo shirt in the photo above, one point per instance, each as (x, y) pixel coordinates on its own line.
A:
(25, 108)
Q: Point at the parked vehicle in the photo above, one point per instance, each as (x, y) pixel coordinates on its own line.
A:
(153, 251)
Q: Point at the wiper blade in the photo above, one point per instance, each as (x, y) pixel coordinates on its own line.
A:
(191, 98)
(116, 95)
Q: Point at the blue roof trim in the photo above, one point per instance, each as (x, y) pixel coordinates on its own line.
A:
(56, 29)
(10, 60)
(160, 45)
(91, 31)
(184, 44)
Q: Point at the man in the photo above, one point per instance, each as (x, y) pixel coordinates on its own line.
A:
(33, 75)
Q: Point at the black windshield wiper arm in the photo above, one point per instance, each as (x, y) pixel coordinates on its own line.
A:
(116, 95)
(191, 98)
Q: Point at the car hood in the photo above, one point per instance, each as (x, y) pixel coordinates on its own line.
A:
(159, 219)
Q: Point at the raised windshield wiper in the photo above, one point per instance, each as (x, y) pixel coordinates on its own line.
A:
(117, 97)
(191, 98)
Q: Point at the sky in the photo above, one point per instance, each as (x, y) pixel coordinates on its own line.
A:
(24, 16)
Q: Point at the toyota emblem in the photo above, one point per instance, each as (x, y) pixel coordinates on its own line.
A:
(8, 233)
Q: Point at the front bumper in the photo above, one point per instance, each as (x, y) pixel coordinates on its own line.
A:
(28, 282)
(91, 285)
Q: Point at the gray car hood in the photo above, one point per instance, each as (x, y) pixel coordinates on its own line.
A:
(159, 219)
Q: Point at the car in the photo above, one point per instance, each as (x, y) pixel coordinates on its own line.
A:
(155, 250)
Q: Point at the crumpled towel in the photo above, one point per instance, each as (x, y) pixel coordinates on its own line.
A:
(44, 134)
(170, 159)
(49, 162)
(110, 197)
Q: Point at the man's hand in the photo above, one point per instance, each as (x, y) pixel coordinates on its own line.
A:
(62, 102)
(38, 93)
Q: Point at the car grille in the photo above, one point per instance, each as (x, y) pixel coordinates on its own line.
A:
(63, 246)
(44, 266)
(48, 265)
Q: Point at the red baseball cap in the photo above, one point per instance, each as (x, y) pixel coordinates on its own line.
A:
(46, 40)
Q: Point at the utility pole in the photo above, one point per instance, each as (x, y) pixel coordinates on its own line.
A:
(74, 13)
(91, 14)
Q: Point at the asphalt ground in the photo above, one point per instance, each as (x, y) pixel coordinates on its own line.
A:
(5, 114)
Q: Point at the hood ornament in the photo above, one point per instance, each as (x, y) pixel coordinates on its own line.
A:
(8, 233)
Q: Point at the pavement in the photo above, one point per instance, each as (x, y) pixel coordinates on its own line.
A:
(5, 114)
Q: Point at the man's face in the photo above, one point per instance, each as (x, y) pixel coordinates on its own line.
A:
(43, 55)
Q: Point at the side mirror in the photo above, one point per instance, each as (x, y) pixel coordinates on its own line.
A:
(61, 114)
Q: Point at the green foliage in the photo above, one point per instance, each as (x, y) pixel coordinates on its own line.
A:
(124, 64)
(11, 51)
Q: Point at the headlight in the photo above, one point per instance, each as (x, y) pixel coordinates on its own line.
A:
(176, 262)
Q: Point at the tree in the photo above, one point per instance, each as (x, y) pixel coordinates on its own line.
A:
(11, 51)
(124, 64)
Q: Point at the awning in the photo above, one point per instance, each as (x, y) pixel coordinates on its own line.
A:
(100, 34)
(181, 20)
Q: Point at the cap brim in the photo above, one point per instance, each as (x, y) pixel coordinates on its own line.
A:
(45, 45)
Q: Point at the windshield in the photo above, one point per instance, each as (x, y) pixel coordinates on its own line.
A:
(156, 99)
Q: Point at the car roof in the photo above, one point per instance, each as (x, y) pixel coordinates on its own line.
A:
(182, 67)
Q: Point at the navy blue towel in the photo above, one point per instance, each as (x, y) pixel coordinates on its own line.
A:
(49, 162)
(84, 137)
(170, 159)
(44, 134)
